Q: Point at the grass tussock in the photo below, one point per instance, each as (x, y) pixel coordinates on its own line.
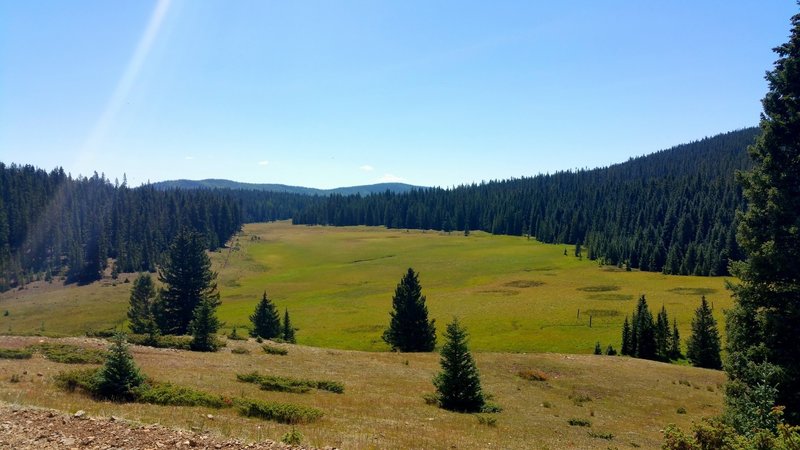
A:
(240, 351)
(69, 354)
(15, 353)
(579, 422)
(533, 375)
(279, 412)
(287, 384)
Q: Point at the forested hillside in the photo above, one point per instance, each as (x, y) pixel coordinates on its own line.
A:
(52, 224)
(673, 211)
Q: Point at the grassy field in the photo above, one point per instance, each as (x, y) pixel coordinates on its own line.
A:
(513, 294)
(625, 402)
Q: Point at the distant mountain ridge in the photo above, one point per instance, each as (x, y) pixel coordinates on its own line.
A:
(213, 183)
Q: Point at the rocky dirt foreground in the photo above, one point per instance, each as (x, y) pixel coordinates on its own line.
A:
(26, 428)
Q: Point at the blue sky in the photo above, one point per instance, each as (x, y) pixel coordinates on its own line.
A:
(340, 93)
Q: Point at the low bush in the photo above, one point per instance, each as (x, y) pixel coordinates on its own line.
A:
(165, 341)
(579, 422)
(103, 334)
(293, 437)
(601, 435)
(681, 410)
(491, 407)
(279, 412)
(287, 384)
(15, 353)
(273, 350)
(170, 394)
(235, 336)
(532, 375)
(240, 351)
(83, 379)
(485, 419)
(578, 399)
(69, 354)
(431, 399)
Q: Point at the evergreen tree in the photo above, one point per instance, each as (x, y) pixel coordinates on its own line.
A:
(204, 327)
(765, 320)
(140, 312)
(265, 319)
(119, 375)
(663, 335)
(702, 348)
(643, 337)
(675, 342)
(627, 338)
(409, 329)
(598, 350)
(458, 385)
(188, 281)
(288, 329)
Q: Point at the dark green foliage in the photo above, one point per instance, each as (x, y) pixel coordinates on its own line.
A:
(703, 346)
(663, 335)
(610, 351)
(288, 331)
(627, 338)
(173, 395)
(279, 412)
(672, 211)
(287, 384)
(84, 379)
(675, 342)
(119, 376)
(69, 354)
(188, 282)
(140, 313)
(163, 341)
(579, 422)
(273, 350)
(265, 319)
(293, 437)
(763, 325)
(204, 327)
(15, 353)
(643, 334)
(598, 350)
(235, 336)
(409, 329)
(458, 385)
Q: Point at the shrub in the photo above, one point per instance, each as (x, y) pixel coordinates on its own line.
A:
(431, 399)
(293, 437)
(235, 336)
(15, 378)
(273, 350)
(579, 422)
(104, 334)
(579, 398)
(240, 351)
(601, 435)
(546, 404)
(491, 407)
(161, 341)
(279, 412)
(532, 375)
(287, 384)
(84, 379)
(170, 394)
(69, 354)
(119, 376)
(15, 353)
(681, 410)
(485, 419)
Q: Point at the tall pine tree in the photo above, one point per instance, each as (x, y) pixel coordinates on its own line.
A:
(763, 324)
(643, 336)
(458, 385)
(265, 319)
(188, 279)
(702, 348)
(409, 328)
(141, 313)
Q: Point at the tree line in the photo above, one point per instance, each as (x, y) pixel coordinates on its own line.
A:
(672, 211)
(54, 225)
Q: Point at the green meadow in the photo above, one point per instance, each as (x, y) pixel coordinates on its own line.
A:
(513, 294)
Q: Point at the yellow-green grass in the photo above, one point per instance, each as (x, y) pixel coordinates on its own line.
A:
(383, 406)
(513, 294)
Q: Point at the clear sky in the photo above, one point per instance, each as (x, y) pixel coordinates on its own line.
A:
(340, 93)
